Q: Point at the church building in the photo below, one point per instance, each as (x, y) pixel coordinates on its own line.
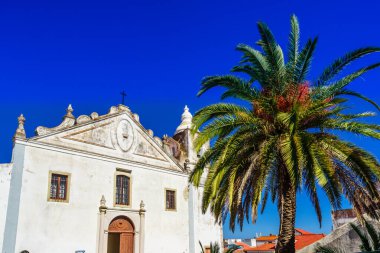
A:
(103, 184)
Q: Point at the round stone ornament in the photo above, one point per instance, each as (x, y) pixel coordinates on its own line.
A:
(124, 135)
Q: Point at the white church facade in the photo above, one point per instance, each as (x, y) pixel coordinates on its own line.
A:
(102, 184)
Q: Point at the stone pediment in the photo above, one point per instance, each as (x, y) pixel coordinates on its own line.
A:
(97, 135)
(116, 134)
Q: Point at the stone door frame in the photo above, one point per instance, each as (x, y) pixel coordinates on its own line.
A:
(108, 214)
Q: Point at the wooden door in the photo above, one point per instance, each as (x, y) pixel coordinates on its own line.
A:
(124, 229)
(126, 243)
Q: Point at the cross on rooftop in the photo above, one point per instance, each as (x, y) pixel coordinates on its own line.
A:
(123, 95)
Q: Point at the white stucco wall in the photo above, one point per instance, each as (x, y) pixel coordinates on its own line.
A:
(208, 231)
(5, 179)
(75, 223)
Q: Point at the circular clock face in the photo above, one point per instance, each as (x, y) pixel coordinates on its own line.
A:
(124, 135)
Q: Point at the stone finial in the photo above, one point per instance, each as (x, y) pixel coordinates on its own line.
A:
(123, 108)
(186, 120)
(94, 115)
(69, 112)
(20, 131)
(158, 140)
(142, 205)
(103, 201)
(150, 132)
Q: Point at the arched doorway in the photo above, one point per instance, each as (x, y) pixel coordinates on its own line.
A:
(120, 235)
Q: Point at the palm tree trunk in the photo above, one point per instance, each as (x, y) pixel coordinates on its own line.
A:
(286, 237)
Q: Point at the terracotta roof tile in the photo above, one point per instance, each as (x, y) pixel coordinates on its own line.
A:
(305, 240)
(244, 245)
(266, 246)
(267, 238)
(301, 231)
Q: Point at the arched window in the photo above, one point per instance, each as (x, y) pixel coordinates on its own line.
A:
(122, 190)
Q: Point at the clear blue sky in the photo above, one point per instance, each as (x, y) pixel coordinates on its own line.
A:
(58, 52)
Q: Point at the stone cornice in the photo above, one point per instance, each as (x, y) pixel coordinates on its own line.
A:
(88, 154)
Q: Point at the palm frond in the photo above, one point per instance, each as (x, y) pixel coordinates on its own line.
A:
(331, 90)
(293, 45)
(356, 94)
(304, 61)
(338, 65)
(373, 234)
(274, 54)
(366, 245)
(241, 87)
(325, 249)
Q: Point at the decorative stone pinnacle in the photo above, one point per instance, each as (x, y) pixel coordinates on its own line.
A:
(21, 119)
(20, 131)
(69, 112)
(142, 205)
(186, 119)
(103, 201)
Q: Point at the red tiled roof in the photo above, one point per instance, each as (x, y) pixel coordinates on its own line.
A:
(244, 245)
(305, 240)
(302, 232)
(266, 246)
(267, 238)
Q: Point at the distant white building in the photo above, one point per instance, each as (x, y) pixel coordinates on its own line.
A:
(341, 217)
(104, 184)
(248, 241)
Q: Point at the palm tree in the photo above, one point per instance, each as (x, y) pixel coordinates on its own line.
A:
(282, 136)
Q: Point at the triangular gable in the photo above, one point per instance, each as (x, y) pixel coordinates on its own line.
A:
(93, 135)
(117, 134)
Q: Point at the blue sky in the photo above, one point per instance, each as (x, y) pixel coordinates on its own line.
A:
(58, 52)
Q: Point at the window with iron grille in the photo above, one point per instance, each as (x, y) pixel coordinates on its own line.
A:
(122, 190)
(58, 187)
(170, 200)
